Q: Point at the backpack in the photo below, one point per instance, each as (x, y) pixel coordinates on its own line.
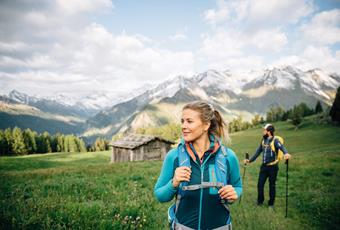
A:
(222, 171)
(278, 152)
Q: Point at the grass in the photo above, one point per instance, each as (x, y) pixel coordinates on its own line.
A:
(84, 191)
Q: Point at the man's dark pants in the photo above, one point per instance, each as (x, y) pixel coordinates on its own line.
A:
(267, 171)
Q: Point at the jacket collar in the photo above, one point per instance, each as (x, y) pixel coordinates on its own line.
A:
(214, 146)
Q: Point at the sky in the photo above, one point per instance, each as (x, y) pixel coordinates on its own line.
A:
(81, 47)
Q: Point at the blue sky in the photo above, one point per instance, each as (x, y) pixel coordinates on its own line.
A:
(77, 47)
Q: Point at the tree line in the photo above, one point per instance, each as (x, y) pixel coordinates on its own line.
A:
(274, 114)
(22, 142)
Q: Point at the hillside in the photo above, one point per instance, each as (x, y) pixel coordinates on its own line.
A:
(78, 191)
(13, 114)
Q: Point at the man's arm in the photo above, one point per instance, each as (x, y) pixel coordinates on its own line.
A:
(257, 153)
(279, 145)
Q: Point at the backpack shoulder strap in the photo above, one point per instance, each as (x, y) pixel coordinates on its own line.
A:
(183, 160)
(222, 168)
(183, 157)
(272, 144)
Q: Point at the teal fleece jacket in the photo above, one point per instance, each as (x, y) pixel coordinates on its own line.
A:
(198, 209)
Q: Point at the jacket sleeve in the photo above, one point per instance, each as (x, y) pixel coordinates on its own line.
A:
(257, 153)
(279, 145)
(164, 190)
(235, 177)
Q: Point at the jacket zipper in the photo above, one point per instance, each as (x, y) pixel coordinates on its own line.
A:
(201, 196)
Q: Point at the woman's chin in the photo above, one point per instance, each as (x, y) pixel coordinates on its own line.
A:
(187, 139)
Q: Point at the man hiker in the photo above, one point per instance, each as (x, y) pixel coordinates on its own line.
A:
(269, 167)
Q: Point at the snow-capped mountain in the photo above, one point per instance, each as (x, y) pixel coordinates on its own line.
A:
(81, 106)
(61, 105)
(315, 82)
(21, 97)
(233, 94)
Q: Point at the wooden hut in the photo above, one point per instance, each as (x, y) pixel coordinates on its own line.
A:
(135, 147)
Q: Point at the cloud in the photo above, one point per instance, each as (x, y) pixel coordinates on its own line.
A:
(259, 13)
(272, 12)
(269, 40)
(222, 44)
(221, 14)
(313, 57)
(239, 50)
(81, 6)
(323, 29)
(247, 31)
(98, 60)
(59, 50)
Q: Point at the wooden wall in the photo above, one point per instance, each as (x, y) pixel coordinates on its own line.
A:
(154, 150)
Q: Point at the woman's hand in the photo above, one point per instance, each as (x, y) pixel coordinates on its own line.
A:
(228, 193)
(182, 173)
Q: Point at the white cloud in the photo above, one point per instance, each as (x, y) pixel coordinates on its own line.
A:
(12, 46)
(272, 12)
(238, 64)
(259, 13)
(37, 61)
(64, 52)
(98, 60)
(313, 57)
(322, 57)
(222, 44)
(247, 31)
(81, 6)
(269, 40)
(323, 29)
(231, 47)
(221, 14)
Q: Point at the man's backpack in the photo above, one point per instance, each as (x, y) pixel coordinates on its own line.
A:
(278, 152)
(222, 171)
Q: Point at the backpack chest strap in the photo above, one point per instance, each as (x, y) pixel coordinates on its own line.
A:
(202, 185)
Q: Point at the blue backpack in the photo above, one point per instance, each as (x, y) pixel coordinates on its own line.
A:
(222, 172)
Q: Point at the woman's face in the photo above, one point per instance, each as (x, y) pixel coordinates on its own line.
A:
(192, 126)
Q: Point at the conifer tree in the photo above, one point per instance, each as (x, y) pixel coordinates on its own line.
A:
(19, 147)
(318, 107)
(47, 142)
(9, 141)
(3, 143)
(29, 139)
(335, 109)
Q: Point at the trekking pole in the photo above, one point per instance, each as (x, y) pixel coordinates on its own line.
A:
(244, 172)
(286, 188)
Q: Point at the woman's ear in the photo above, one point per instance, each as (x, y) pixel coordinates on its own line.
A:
(206, 126)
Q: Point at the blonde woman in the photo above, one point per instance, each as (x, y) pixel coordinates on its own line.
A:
(200, 172)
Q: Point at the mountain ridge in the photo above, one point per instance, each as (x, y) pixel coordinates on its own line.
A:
(234, 94)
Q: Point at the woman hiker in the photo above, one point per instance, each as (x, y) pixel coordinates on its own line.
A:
(200, 172)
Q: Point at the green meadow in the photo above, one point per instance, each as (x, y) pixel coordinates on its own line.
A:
(84, 191)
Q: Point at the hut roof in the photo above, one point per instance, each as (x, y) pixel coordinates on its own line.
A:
(135, 140)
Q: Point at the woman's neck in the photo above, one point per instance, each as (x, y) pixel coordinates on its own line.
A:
(201, 145)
